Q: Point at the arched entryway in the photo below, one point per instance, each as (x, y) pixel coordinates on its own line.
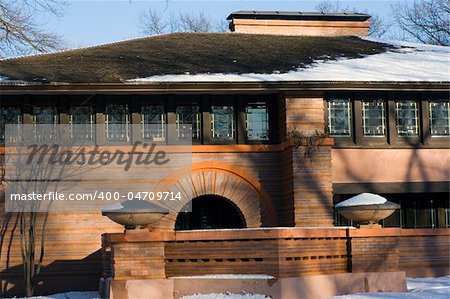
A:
(210, 212)
(217, 179)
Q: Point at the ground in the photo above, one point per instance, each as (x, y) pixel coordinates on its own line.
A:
(418, 288)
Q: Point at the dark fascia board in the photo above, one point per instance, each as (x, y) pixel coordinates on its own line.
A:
(209, 87)
(298, 15)
(398, 187)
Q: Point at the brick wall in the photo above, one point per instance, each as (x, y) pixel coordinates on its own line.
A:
(310, 189)
(375, 254)
(418, 252)
(280, 252)
(276, 252)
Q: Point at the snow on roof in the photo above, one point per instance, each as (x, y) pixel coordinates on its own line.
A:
(407, 62)
(233, 57)
(181, 53)
(362, 200)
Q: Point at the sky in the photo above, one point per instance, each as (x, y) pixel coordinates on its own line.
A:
(101, 21)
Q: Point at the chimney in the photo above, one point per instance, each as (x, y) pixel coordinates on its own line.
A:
(299, 23)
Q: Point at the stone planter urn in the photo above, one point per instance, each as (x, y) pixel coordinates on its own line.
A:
(366, 209)
(135, 213)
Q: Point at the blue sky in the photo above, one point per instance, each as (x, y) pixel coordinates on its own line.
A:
(94, 22)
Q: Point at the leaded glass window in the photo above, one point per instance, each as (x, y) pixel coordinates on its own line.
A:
(374, 119)
(222, 123)
(407, 118)
(153, 120)
(188, 122)
(439, 118)
(117, 122)
(339, 117)
(8, 115)
(82, 122)
(257, 121)
(45, 120)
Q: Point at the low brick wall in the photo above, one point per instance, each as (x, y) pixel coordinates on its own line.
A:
(418, 252)
(280, 252)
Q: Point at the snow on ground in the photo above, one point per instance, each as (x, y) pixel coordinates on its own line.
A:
(362, 200)
(406, 63)
(226, 296)
(418, 288)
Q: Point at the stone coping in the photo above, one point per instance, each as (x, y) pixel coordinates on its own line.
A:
(267, 233)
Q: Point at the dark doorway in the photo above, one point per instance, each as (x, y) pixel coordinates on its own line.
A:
(210, 212)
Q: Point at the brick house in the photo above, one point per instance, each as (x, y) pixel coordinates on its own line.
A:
(384, 108)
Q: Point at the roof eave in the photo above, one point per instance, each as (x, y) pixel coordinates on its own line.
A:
(223, 86)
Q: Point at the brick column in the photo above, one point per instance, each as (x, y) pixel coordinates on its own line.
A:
(307, 183)
(374, 250)
(313, 187)
(126, 259)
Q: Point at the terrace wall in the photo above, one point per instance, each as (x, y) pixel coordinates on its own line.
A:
(280, 252)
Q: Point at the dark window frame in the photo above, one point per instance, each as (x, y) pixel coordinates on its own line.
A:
(341, 140)
(249, 102)
(411, 139)
(63, 103)
(56, 120)
(138, 102)
(92, 123)
(117, 101)
(428, 105)
(189, 101)
(360, 138)
(73, 101)
(391, 140)
(19, 122)
(158, 111)
(225, 101)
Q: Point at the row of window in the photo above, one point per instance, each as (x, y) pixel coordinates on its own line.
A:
(374, 120)
(188, 122)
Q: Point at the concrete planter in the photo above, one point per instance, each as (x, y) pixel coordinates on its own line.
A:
(135, 213)
(368, 214)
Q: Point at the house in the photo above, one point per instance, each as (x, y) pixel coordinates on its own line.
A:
(382, 106)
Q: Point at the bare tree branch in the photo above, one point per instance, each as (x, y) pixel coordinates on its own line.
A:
(194, 23)
(20, 30)
(329, 6)
(151, 22)
(378, 27)
(427, 21)
(222, 26)
(154, 22)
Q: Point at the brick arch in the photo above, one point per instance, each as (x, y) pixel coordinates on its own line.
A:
(222, 179)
